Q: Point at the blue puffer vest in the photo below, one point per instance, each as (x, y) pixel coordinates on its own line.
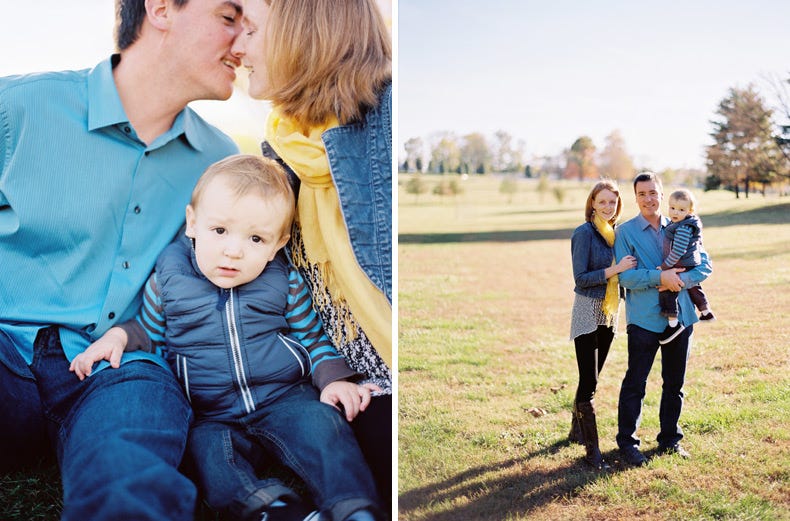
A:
(228, 347)
(692, 256)
(360, 161)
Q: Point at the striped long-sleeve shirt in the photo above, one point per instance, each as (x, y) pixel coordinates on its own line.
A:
(682, 242)
(147, 331)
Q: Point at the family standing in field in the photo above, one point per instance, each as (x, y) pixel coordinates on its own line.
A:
(659, 261)
(167, 336)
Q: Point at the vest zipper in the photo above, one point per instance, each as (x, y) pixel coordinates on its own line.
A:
(183, 374)
(235, 349)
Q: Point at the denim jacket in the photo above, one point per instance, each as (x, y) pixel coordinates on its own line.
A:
(360, 161)
(590, 256)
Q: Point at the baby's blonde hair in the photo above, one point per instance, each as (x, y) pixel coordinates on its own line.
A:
(245, 174)
(682, 194)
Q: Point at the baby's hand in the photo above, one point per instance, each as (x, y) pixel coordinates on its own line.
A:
(109, 347)
(354, 398)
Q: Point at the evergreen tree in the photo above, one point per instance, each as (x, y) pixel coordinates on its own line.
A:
(744, 150)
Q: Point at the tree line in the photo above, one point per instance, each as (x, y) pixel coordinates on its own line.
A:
(750, 147)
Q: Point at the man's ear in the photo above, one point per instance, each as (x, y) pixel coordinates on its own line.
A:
(158, 13)
(190, 229)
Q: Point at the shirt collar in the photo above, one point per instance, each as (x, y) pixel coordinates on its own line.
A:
(104, 104)
(644, 223)
(187, 123)
(105, 108)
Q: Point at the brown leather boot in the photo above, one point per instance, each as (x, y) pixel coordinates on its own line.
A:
(575, 435)
(589, 430)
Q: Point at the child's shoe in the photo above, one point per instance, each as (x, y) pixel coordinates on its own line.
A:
(707, 315)
(670, 333)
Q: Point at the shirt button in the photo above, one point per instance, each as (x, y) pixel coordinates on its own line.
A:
(147, 152)
(137, 209)
(125, 265)
(127, 129)
(111, 315)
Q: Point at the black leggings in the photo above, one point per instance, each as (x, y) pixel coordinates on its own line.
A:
(591, 351)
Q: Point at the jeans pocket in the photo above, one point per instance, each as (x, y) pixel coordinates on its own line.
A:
(59, 388)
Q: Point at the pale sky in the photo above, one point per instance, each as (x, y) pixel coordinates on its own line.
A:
(43, 35)
(550, 72)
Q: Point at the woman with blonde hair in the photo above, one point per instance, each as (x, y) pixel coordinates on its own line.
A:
(326, 67)
(595, 307)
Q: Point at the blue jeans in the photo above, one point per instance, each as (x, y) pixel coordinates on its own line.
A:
(642, 348)
(23, 428)
(311, 438)
(119, 435)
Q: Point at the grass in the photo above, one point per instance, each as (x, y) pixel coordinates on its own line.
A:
(484, 296)
(33, 494)
(485, 290)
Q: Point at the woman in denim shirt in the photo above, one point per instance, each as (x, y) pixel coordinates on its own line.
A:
(595, 307)
(326, 68)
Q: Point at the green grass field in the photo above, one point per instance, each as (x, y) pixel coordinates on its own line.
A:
(485, 290)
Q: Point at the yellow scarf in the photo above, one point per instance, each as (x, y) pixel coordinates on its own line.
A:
(324, 232)
(611, 301)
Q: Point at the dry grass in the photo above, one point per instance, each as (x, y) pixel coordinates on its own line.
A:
(485, 291)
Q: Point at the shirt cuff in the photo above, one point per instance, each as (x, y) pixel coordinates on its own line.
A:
(333, 370)
(137, 339)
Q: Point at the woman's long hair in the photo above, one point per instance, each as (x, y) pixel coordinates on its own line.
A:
(326, 58)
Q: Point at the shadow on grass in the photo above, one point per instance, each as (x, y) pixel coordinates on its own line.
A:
(500, 497)
(771, 214)
(553, 211)
(494, 236)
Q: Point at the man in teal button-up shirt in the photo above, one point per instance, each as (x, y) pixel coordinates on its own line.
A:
(642, 237)
(96, 168)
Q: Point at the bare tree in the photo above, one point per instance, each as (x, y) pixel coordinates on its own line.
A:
(780, 89)
(414, 153)
(503, 151)
(615, 161)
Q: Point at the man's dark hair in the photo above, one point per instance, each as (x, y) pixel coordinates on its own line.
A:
(129, 16)
(647, 176)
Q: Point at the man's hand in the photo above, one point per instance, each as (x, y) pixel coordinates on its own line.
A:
(109, 347)
(670, 280)
(354, 398)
